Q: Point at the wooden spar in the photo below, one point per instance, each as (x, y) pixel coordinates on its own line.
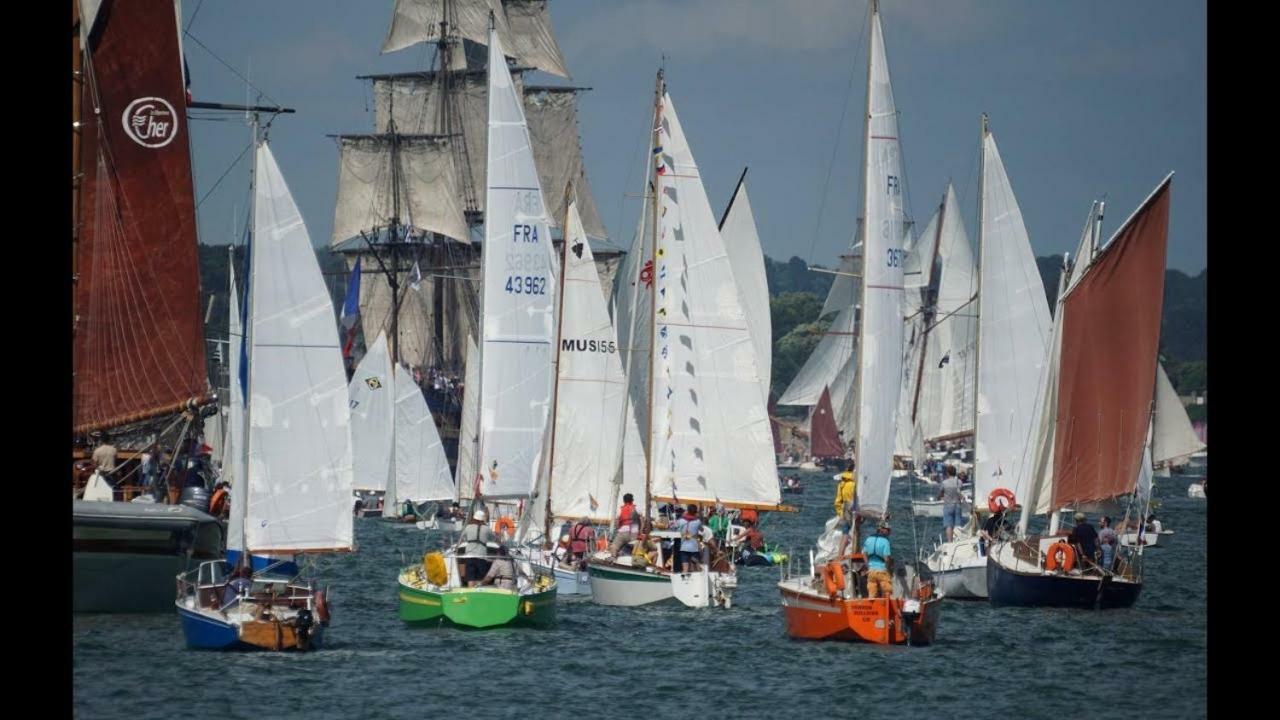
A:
(653, 293)
(928, 325)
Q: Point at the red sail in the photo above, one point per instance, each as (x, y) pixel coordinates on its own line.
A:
(1107, 376)
(138, 333)
(824, 438)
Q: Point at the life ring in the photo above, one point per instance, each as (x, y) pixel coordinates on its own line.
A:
(504, 522)
(218, 501)
(833, 578)
(993, 500)
(1060, 555)
(322, 608)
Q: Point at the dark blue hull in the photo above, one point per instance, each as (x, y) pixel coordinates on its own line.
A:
(259, 563)
(1007, 588)
(207, 633)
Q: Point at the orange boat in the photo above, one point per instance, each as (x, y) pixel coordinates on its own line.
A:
(825, 606)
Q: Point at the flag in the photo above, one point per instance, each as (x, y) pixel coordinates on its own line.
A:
(945, 359)
(415, 282)
(646, 274)
(594, 505)
(351, 309)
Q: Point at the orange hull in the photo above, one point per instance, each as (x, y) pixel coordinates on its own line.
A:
(813, 615)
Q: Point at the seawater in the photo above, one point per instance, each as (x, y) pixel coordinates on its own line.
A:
(672, 661)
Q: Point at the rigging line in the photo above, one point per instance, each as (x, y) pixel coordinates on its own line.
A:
(226, 172)
(228, 66)
(192, 21)
(835, 146)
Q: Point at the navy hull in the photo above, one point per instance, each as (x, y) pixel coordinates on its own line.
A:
(1010, 588)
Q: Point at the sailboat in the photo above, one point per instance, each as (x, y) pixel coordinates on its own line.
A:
(1088, 441)
(138, 352)
(1012, 336)
(691, 364)
(292, 493)
(825, 603)
(517, 328)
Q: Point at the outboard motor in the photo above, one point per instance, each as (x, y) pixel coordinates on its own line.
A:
(303, 625)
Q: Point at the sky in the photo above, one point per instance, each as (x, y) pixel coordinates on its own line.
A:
(1086, 98)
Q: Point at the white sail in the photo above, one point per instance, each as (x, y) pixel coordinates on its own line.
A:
(822, 367)
(711, 438)
(742, 243)
(1013, 331)
(1172, 437)
(469, 427)
(946, 398)
(233, 462)
(372, 395)
(1088, 246)
(523, 26)
(299, 470)
(519, 290)
(845, 288)
(589, 430)
(422, 470)
(880, 342)
(632, 310)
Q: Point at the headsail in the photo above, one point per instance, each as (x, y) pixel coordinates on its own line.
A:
(1172, 438)
(373, 407)
(421, 468)
(824, 437)
(300, 481)
(742, 243)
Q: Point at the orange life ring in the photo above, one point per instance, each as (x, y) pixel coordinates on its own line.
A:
(992, 500)
(1060, 555)
(219, 499)
(833, 578)
(504, 522)
(322, 608)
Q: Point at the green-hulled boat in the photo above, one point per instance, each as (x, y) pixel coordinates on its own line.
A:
(422, 603)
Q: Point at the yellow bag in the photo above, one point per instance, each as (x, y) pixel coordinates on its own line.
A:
(437, 573)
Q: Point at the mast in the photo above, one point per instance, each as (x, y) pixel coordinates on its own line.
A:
(928, 317)
(982, 264)
(246, 339)
(655, 142)
(555, 387)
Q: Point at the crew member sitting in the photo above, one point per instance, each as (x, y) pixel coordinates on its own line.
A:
(502, 571)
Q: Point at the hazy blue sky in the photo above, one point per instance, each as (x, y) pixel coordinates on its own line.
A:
(1085, 97)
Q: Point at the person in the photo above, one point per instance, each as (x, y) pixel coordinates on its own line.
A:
(846, 504)
(949, 494)
(477, 536)
(992, 530)
(150, 465)
(1085, 539)
(241, 580)
(455, 512)
(628, 524)
(581, 537)
(104, 457)
(877, 550)
(502, 571)
(1108, 540)
(1153, 525)
(754, 541)
(219, 504)
(561, 554)
(644, 552)
(719, 522)
(689, 526)
(749, 515)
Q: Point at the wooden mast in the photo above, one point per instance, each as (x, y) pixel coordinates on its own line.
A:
(555, 388)
(655, 142)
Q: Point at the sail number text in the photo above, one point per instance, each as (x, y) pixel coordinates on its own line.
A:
(895, 257)
(526, 285)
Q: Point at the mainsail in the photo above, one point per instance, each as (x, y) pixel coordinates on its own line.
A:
(880, 341)
(1013, 331)
(519, 290)
(138, 333)
(824, 437)
(299, 473)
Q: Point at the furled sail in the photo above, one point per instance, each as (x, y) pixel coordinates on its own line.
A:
(589, 434)
(421, 468)
(373, 408)
(523, 27)
(300, 478)
(138, 333)
(710, 433)
(1013, 331)
(742, 243)
(1105, 394)
(519, 290)
(881, 332)
(429, 195)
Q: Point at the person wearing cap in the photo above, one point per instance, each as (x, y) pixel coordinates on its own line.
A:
(502, 571)
(478, 539)
(1085, 539)
(877, 550)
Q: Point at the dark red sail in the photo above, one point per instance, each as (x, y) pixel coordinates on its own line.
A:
(138, 333)
(1107, 375)
(824, 438)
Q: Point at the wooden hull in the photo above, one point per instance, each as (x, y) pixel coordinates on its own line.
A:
(811, 614)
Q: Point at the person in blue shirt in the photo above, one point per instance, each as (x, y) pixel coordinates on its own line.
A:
(877, 550)
(689, 526)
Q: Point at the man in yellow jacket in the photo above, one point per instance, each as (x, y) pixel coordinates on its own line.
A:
(846, 503)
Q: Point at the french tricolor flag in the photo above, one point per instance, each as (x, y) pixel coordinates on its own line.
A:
(351, 310)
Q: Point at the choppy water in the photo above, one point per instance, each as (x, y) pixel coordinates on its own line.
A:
(634, 662)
